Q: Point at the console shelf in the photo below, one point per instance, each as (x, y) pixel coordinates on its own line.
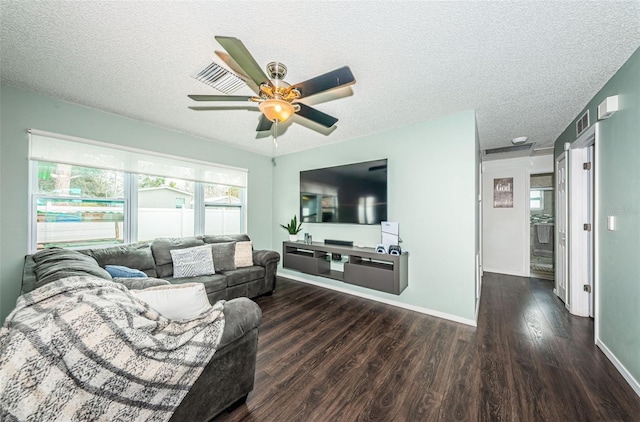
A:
(364, 267)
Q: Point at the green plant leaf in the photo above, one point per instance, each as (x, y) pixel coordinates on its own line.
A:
(293, 227)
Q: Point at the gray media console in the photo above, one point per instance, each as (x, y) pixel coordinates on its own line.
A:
(360, 266)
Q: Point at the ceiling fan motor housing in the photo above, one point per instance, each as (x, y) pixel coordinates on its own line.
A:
(276, 70)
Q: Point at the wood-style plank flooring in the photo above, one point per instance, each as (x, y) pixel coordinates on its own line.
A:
(329, 356)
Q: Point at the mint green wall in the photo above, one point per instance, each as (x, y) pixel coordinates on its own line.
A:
(618, 176)
(432, 193)
(22, 110)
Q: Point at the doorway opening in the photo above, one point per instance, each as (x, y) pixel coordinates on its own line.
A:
(542, 225)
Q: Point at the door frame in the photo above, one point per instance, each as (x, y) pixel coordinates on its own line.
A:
(552, 171)
(581, 206)
(562, 254)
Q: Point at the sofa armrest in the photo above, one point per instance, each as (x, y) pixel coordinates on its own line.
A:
(29, 281)
(265, 257)
(241, 315)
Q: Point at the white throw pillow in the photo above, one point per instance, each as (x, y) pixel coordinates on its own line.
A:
(192, 262)
(244, 254)
(176, 301)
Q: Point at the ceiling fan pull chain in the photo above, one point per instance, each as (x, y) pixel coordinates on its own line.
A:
(275, 134)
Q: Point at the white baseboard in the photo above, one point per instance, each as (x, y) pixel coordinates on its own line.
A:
(420, 309)
(619, 366)
(478, 308)
(507, 272)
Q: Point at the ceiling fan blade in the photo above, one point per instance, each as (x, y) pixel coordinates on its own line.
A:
(221, 107)
(219, 97)
(330, 80)
(243, 58)
(264, 124)
(237, 69)
(316, 115)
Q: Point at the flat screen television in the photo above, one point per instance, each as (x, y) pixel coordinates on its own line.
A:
(353, 194)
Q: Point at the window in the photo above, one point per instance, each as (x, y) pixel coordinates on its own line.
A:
(165, 207)
(536, 199)
(223, 212)
(77, 205)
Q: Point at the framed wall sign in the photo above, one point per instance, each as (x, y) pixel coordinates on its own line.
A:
(503, 193)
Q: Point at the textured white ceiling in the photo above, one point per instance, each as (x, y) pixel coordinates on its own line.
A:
(526, 67)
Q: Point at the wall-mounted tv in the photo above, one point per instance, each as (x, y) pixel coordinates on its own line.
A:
(353, 194)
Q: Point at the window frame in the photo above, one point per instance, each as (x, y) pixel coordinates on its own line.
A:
(539, 198)
(130, 211)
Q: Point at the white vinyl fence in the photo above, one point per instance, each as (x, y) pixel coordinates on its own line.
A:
(152, 223)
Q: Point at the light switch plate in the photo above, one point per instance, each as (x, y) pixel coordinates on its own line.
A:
(611, 222)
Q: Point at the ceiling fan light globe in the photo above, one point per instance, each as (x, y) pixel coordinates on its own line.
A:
(275, 109)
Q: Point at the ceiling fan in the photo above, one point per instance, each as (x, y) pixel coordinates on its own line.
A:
(277, 99)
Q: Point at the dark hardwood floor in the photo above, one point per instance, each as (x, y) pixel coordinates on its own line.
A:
(328, 356)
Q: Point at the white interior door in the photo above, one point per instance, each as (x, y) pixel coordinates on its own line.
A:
(561, 228)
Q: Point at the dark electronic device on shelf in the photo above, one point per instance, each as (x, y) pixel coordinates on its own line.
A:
(338, 242)
(395, 250)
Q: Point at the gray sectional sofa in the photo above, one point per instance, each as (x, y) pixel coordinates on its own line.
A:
(228, 378)
(154, 259)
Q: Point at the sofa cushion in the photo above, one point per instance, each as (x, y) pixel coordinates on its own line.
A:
(58, 254)
(224, 238)
(137, 255)
(124, 272)
(192, 262)
(141, 283)
(224, 256)
(212, 283)
(177, 302)
(161, 250)
(244, 275)
(244, 254)
(56, 263)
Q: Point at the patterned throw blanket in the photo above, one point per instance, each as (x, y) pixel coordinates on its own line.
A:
(84, 349)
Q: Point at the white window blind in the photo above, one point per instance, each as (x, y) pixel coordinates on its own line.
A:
(46, 146)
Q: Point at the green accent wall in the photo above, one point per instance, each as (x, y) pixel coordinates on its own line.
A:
(433, 188)
(432, 193)
(22, 110)
(618, 176)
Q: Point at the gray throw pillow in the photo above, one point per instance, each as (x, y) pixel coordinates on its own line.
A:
(224, 256)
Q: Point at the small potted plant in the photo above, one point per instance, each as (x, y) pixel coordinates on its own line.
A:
(293, 228)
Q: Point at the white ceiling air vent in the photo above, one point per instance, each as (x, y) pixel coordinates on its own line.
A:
(219, 78)
(583, 123)
(507, 152)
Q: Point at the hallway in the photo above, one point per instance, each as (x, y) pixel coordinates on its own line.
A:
(547, 366)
